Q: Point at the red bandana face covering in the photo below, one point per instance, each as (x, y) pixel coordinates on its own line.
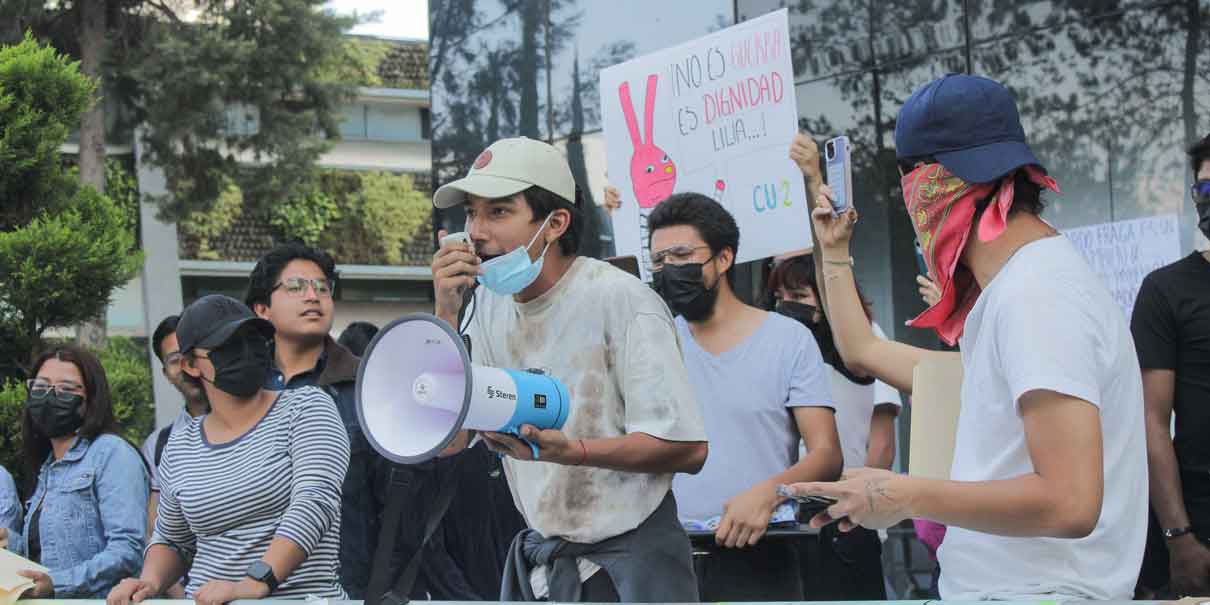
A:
(942, 208)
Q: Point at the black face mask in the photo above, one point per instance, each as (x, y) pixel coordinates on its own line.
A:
(682, 287)
(1203, 216)
(822, 331)
(241, 365)
(55, 415)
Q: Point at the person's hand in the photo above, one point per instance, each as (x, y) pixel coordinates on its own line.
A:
(44, 587)
(832, 232)
(929, 292)
(613, 199)
(454, 269)
(3, 537)
(805, 153)
(869, 497)
(131, 590)
(1189, 566)
(746, 517)
(218, 592)
(553, 445)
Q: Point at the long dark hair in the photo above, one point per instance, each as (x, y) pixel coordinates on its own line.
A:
(98, 406)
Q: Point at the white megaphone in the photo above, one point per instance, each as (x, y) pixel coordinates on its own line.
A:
(417, 387)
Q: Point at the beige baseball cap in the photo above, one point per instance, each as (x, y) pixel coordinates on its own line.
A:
(510, 166)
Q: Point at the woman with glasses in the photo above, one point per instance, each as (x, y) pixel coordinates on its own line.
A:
(250, 492)
(86, 518)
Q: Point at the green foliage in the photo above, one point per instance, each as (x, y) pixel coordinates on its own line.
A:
(380, 214)
(12, 404)
(64, 248)
(199, 227)
(305, 217)
(128, 371)
(356, 63)
(42, 95)
(122, 187)
(391, 211)
(62, 267)
(245, 81)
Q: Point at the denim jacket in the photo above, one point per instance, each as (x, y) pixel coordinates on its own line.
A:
(10, 507)
(94, 516)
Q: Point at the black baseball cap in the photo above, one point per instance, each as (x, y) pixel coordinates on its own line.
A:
(212, 319)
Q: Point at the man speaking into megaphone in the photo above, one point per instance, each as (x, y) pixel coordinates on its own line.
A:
(599, 501)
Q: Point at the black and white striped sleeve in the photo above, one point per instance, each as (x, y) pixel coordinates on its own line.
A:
(319, 453)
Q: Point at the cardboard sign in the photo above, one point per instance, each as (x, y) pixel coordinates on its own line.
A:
(936, 403)
(1124, 252)
(714, 116)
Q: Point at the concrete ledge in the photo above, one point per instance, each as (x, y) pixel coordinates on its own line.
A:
(213, 268)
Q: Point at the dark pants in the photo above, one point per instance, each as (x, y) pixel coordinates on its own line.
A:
(768, 571)
(599, 589)
(843, 566)
(1153, 577)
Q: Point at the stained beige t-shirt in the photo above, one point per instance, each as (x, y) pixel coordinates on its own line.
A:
(610, 339)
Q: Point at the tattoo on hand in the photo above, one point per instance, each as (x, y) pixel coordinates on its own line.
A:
(874, 488)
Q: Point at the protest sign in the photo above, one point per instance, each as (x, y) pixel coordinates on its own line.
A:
(714, 116)
(1124, 252)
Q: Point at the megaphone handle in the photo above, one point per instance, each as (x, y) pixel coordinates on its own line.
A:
(532, 446)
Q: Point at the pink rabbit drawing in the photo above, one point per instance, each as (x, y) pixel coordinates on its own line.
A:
(652, 172)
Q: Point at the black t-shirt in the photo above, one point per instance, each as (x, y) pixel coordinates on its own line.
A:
(1171, 327)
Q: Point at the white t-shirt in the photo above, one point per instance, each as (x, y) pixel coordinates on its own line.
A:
(855, 409)
(610, 339)
(1047, 322)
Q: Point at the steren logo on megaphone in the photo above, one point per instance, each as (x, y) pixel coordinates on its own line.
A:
(493, 392)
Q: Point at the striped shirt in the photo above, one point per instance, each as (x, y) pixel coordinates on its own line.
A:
(221, 505)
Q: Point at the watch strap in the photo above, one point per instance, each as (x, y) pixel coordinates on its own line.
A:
(263, 572)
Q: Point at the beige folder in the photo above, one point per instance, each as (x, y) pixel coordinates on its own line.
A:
(11, 584)
(936, 402)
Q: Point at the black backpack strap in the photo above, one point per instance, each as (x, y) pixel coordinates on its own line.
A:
(161, 440)
(400, 593)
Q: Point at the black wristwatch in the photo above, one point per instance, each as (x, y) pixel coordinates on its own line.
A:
(1170, 534)
(261, 572)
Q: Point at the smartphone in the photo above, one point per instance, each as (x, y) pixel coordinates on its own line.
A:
(460, 236)
(838, 159)
(629, 264)
(810, 505)
(920, 262)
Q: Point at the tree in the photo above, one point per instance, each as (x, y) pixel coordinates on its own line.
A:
(238, 92)
(64, 246)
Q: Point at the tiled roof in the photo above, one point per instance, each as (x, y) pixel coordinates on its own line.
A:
(406, 65)
(251, 236)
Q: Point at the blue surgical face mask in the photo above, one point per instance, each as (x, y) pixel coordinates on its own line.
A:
(511, 273)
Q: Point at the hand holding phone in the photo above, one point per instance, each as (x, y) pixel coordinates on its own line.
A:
(811, 505)
(838, 158)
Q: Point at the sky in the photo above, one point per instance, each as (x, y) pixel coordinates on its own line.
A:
(397, 18)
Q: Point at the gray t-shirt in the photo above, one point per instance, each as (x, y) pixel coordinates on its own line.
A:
(745, 394)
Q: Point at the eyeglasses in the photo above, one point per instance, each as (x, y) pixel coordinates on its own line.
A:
(1200, 192)
(172, 358)
(40, 389)
(297, 286)
(677, 254)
